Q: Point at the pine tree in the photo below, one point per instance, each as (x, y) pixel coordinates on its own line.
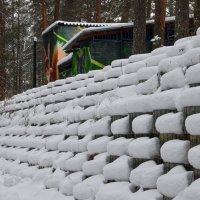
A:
(159, 25)
(196, 15)
(57, 10)
(182, 19)
(149, 9)
(139, 29)
(171, 7)
(98, 11)
(2, 50)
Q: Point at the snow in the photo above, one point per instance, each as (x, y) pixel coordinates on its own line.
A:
(138, 57)
(91, 100)
(75, 163)
(173, 79)
(102, 126)
(53, 180)
(148, 87)
(191, 124)
(55, 129)
(118, 147)
(120, 126)
(46, 159)
(109, 84)
(175, 181)
(79, 77)
(33, 157)
(168, 64)
(145, 148)
(52, 142)
(184, 98)
(192, 57)
(69, 80)
(119, 63)
(95, 166)
(88, 113)
(117, 191)
(66, 144)
(60, 161)
(88, 188)
(146, 174)
(146, 73)
(146, 195)
(154, 60)
(66, 186)
(128, 79)
(106, 68)
(142, 124)
(53, 137)
(114, 72)
(165, 99)
(170, 123)
(198, 32)
(94, 87)
(117, 107)
(98, 145)
(190, 193)
(72, 129)
(124, 92)
(133, 67)
(178, 49)
(92, 73)
(112, 171)
(175, 151)
(100, 76)
(192, 74)
(76, 84)
(138, 104)
(81, 91)
(42, 174)
(85, 127)
(81, 144)
(193, 157)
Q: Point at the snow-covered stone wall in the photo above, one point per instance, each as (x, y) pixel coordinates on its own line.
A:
(127, 132)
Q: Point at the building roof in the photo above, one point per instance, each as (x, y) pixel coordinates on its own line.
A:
(81, 34)
(65, 59)
(85, 24)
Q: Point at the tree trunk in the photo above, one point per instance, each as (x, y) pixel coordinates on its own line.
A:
(139, 29)
(196, 15)
(148, 12)
(19, 66)
(182, 19)
(98, 11)
(2, 51)
(126, 11)
(159, 25)
(171, 7)
(44, 15)
(57, 10)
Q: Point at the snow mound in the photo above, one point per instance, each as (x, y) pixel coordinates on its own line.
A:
(170, 123)
(112, 171)
(145, 148)
(175, 151)
(142, 124)
(175, 181)
(146, 174)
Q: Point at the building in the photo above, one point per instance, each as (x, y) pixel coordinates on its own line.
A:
(93, 46)
(57, 35)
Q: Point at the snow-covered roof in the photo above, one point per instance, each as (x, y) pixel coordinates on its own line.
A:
(85, 24)
(65, 59)
(69, 44)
